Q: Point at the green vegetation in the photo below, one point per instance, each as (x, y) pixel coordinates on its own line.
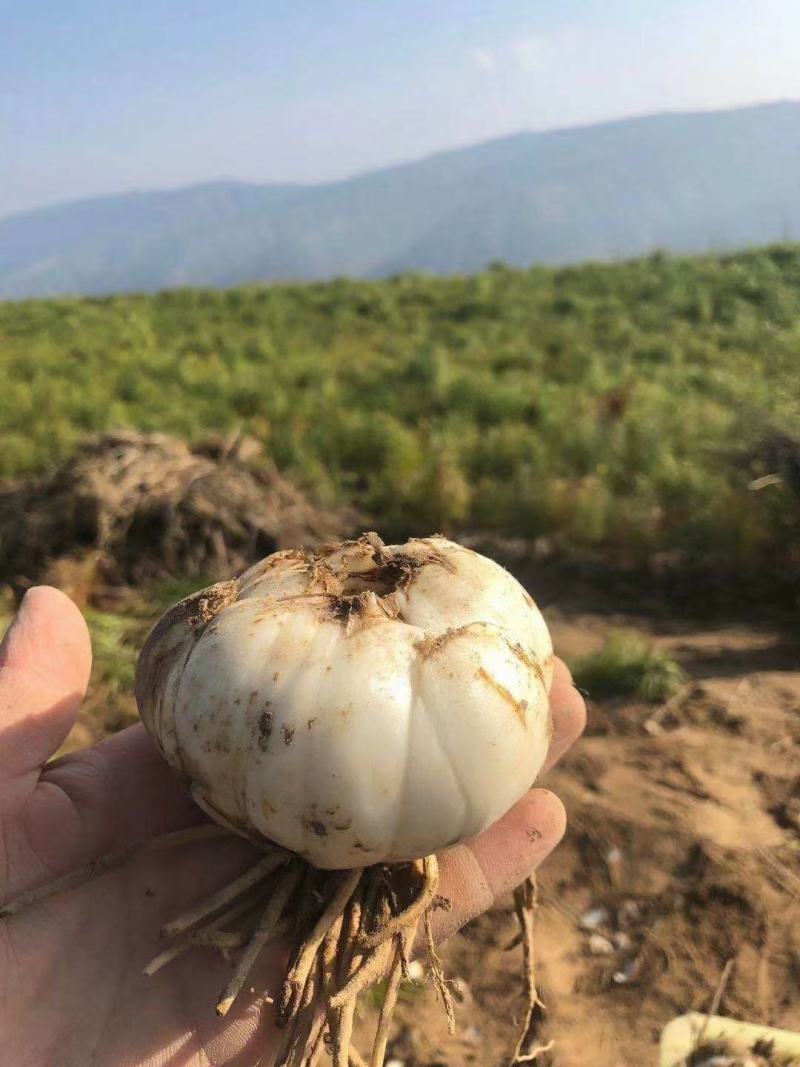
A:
(114, 649)
(605, 407)
(628, 666)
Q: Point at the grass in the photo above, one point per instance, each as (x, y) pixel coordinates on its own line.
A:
(627, 666)
(115, 648)
(603, 407)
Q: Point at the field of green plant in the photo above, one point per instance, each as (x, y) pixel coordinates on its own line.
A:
(604, 407)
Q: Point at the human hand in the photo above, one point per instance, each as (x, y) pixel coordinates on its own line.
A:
(72, 991)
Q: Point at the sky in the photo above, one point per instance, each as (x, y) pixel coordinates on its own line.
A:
(100, 96)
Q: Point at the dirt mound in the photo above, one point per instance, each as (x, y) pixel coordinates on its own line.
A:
(147, 504)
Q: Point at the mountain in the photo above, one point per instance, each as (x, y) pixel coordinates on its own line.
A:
(687, 182)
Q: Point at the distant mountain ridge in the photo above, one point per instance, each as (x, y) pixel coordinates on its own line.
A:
(683, 181)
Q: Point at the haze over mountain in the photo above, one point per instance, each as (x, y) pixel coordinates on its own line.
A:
(689, 181)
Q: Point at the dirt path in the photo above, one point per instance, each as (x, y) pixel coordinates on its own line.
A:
(683, 852)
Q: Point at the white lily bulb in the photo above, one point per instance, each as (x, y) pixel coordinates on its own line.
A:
(356, 704)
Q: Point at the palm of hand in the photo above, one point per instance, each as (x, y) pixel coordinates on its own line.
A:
(71, 989)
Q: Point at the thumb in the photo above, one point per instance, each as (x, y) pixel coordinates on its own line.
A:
(45, 662)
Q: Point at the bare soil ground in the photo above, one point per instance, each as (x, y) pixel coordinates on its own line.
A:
(683, 852)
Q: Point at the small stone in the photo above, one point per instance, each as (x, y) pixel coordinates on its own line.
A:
(625, 974)
(622, 941)
(629, 913)
(600, 946)
(416, 972)
(395, 1063)
(593, 918)
(461, 992)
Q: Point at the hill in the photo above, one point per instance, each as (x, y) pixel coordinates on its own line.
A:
(621, 409)
(677, 181)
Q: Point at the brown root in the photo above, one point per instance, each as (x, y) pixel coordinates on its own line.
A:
(308, 1021)
(346, 931)
(298, 973)
(387, 1009)
(370, 972)
(228, 893)
(343, 1034)
(165, 957)
(437, 973)
(413, 912)
(525, 903)
(265, 930)
(210, 934)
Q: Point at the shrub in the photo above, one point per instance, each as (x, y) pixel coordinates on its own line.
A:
(628, 666)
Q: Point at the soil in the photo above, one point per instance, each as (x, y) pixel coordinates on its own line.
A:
(683, 852)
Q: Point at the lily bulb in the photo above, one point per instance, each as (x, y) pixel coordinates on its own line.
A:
(356, 704)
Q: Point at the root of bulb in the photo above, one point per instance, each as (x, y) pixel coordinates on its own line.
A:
(347, 930)
(525, 903)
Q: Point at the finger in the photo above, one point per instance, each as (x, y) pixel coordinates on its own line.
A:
(473, 875)
(569, 713)
(45, 662)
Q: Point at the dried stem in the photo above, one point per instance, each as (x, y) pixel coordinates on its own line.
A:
(263, 932)
(97, 867)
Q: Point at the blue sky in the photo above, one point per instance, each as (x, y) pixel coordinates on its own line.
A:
(107, 95)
